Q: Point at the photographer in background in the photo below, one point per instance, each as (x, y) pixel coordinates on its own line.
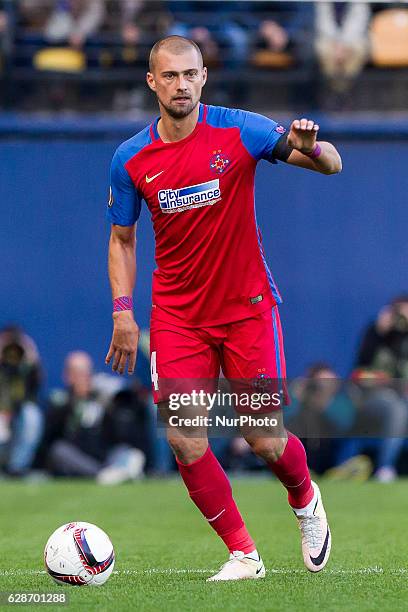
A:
(83, 437)
(385, 343)
(380, 388)
(320, 414)
(21, 418)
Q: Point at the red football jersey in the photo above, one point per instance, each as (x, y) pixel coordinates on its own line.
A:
(211, 268)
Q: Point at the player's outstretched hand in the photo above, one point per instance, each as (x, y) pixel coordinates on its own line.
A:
(302, 135)
(123, 347)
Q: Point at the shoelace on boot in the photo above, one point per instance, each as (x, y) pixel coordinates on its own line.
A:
(234, 556)
(311, 531)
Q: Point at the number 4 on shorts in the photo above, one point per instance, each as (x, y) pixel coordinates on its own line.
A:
(153, 371)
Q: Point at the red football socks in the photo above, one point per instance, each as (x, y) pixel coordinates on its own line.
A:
(291, 469)
(210, 490)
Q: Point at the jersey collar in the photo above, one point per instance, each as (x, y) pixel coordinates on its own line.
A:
(202, 117)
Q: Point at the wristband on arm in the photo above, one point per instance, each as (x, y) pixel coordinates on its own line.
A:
(125, 302)
(315, 152)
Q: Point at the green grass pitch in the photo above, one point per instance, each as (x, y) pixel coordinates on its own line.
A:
(164, 549)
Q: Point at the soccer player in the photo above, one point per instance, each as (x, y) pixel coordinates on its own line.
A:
(214, 298)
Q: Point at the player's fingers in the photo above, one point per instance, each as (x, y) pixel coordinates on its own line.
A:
(316, 127)
(110, 353)
(122, 362)
(303, 123)
(132, 362)
(310, 125)
(116, 359)
(296, 124)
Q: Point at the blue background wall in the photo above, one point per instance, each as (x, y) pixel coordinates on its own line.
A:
(336, 245)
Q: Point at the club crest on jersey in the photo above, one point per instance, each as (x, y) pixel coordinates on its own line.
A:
(219, 162)
(194, 196)
(262, 382)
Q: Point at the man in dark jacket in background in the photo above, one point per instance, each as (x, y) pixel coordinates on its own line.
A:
(21, 418)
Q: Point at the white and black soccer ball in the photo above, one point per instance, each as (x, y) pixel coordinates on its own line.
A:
(79, 554)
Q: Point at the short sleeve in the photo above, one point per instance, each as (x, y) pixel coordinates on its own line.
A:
(260, 135)
(124, 200)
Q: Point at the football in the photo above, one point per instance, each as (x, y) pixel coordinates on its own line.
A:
(79, 554)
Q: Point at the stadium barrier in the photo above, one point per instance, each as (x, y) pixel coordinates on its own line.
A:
(336, 245)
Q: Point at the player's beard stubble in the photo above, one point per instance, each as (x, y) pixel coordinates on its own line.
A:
(179, 113)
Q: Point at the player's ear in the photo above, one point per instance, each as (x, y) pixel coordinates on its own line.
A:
(204, 75)
(150, 81)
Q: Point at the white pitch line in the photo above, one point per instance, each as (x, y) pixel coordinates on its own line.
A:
(169, 571)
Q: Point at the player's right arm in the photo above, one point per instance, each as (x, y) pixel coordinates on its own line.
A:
(123, 212)
(265, 139)
(122, 274)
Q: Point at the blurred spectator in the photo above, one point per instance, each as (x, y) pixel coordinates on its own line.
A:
(7, 22)
(281, 37)
(282, 27)
(381, 390)
(330, 418)
(320, 414)
(82, 438)
(33, 15)
(223, 40)
(6, 28)
(3, 18)
(213, 26)
(4, 49)
(139, 23)
(341, 41)
(142, 23)
(385, 344)
(129, 422)
(21, 419)
(381, 419)
(74, 21)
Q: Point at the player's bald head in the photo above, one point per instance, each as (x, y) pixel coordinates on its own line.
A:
(175, 45)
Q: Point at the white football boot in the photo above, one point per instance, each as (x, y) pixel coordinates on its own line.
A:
(316, 536)
(240, 567)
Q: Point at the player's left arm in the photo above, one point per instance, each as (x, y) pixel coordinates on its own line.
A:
(309, 153)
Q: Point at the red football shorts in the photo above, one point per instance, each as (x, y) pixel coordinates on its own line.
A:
(249, 353)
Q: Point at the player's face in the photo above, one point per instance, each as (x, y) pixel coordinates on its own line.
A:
(177, 81)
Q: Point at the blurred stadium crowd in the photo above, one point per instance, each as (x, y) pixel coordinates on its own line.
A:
(92, 54)
(104, 427)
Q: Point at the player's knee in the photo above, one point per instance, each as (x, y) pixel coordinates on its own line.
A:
(269, 449)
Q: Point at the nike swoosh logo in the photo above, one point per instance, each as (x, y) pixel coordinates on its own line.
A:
(259, 569)
(216, 516)
(319, 560)
(149, 180)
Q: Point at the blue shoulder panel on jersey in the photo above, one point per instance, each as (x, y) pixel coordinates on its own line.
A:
(259, 134)
(125, 201)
